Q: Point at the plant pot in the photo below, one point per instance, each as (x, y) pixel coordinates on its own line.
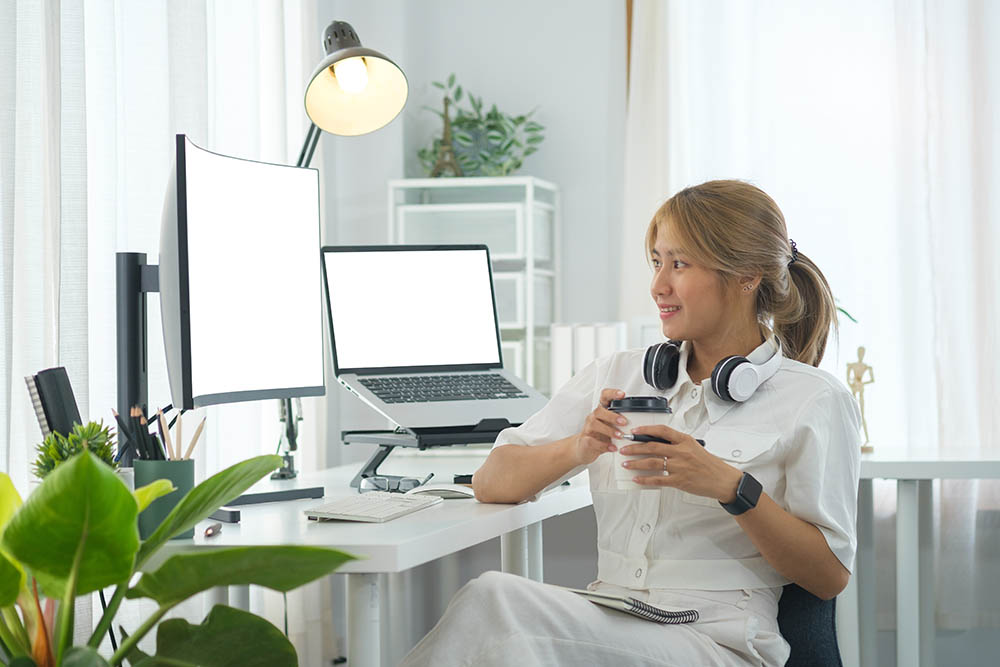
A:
(181, 475)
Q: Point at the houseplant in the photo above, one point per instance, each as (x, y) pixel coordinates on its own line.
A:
(58, 448)
(485, 142)
(76, 533)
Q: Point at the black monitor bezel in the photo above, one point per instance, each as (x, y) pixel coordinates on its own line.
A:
(189, 399)
(396, 370)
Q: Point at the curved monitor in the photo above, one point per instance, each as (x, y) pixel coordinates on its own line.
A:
(240, 287)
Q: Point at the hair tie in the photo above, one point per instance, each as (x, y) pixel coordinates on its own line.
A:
(795, 253)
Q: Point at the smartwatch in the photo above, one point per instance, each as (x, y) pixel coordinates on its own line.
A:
(747, 495)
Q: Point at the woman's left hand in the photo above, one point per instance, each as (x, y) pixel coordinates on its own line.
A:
(686, 464)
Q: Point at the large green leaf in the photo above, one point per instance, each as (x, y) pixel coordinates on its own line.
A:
(227, 638)
(11, 573)
(280, 568)
(11, 580)
(207, 497)
(144, 495)
(10, 500)
(83, 656)
(83, 500)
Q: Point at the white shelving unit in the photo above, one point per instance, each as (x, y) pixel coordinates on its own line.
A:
(517, 217)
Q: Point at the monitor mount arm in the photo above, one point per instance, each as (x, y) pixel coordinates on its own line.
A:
(134, 279)
(291, 417)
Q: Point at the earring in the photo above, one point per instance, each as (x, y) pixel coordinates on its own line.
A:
(747, 288)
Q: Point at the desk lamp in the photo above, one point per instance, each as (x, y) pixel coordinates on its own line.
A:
(353, 91)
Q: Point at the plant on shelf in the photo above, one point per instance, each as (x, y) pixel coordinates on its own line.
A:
(58, 448)
(76, 533)
(484, 142)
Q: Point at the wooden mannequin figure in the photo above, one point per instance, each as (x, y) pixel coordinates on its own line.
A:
(856, 381)
(446, 155)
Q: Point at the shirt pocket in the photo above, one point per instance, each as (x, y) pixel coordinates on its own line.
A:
(738, 448)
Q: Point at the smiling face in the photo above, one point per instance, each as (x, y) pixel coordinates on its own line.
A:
(694, 302)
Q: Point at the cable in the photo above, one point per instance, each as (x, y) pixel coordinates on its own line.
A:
(111, 631)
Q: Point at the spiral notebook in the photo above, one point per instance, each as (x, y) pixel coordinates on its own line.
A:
(630, 605)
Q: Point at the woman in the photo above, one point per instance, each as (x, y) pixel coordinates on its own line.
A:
(726, 281)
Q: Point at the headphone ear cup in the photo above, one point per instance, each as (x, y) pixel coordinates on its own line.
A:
(660, 365)
(722, 373)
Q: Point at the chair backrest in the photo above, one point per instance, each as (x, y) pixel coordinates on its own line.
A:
(809, 625)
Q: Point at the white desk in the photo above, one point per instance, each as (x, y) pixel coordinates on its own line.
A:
(396, 545)
(915, 629)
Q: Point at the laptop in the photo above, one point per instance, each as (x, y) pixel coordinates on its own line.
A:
(415, 335)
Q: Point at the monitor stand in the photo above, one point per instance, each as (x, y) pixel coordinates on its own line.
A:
(421, 438)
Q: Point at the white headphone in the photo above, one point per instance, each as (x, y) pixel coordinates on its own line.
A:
(734, 378)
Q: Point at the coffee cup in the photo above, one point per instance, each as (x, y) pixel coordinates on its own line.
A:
(639, 411)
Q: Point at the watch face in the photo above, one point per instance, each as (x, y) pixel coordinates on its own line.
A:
(749, 490)
(747, 494)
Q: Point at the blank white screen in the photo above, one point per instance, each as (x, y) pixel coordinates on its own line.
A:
(411, 308)
(255, 285)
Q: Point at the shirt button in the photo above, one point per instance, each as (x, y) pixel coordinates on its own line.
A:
(694, 393)
(638, 573)
(737, 453)
(645, 527)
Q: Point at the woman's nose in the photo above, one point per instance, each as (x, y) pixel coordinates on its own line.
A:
(660, 285)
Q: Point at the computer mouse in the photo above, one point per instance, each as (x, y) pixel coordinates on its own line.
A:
(447, 491)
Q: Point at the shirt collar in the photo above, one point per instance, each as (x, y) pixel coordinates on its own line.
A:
(716, 406)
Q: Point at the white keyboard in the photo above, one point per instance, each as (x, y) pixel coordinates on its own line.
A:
(374, 506)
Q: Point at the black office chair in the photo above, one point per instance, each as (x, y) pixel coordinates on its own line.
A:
(809, 625)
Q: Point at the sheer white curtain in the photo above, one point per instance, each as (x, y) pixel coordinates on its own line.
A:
(873, 125)
(93, 92)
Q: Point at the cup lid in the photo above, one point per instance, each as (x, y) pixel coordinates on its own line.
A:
(640, 404)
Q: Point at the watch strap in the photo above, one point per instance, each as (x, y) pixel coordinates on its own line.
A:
(747, 494)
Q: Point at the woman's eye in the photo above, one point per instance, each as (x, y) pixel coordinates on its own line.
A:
(657, 263)
(678, 264)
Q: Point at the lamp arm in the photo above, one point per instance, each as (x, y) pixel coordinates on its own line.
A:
(309, 146)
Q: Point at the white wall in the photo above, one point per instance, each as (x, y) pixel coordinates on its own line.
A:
(565, 58)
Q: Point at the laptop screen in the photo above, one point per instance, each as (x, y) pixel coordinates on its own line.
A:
(411, 308)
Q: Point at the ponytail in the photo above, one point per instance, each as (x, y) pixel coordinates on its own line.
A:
(802, 320)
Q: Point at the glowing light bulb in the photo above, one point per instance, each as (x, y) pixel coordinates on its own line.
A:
(352, 74)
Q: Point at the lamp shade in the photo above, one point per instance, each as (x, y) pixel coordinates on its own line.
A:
(354, 90)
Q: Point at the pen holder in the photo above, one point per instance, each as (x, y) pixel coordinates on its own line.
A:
(180, 474)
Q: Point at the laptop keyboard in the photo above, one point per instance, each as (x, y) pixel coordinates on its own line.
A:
(435, 388)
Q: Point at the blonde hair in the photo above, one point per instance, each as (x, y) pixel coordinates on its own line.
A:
(736, 229)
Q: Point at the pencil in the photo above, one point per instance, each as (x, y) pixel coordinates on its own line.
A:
(122, 430)
(144, 425)
(159, 426)
(180, 440)
(165, 434)
(194, 439)
(139, 445)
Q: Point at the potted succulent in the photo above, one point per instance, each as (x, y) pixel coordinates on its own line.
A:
(58, 448)
(77, 533)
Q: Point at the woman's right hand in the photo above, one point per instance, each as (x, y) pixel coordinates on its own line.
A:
(599, 428)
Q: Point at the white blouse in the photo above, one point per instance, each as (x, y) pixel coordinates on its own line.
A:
(798, 435)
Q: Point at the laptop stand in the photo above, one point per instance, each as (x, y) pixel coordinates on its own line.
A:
(421, 438)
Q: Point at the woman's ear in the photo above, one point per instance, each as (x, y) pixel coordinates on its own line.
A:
(748, 284)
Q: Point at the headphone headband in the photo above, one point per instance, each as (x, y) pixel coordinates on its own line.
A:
(735, 378)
